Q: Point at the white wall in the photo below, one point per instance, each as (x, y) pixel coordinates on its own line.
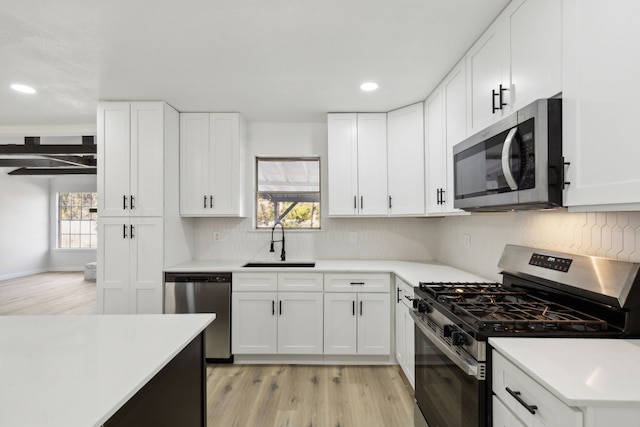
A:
(613, 235)
(24, 225)
(383, 238)
(68, 259)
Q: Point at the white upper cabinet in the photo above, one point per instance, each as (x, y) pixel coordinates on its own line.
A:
(445, 124)
(516, 61)
(212, 164)
(131, 137)
(405, 162)
(599, 137)
(357, 147)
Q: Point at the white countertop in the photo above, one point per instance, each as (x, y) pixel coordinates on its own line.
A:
(411, 272)
(79, 370)
(580, 372)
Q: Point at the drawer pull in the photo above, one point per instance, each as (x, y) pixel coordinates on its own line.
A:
(516, 395)
(357, 283)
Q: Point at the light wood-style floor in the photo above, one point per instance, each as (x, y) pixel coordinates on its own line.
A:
(309, 396)
(249, 395)
(48, 293)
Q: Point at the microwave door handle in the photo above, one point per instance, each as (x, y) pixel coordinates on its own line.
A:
(506, 169)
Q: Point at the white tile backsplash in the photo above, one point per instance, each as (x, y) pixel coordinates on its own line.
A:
(377, 238)
(608, 234)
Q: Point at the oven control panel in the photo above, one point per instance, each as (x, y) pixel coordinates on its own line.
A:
(550, 262)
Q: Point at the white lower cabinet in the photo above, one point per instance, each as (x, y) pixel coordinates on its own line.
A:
(357, 314)
(522, 401)
(130, 257)
(405, 337)
(276, 322)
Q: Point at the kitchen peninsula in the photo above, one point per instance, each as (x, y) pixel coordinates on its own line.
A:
(102, 370)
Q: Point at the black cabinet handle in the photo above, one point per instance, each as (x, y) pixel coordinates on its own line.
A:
(502, 90)
(124, 202)
(273, 308)
(355, 202)
(353, 308)
(442, 202)
(361, 202)
(132, 230)
(211, 201)
(390, 205)
(356, 283)
(124, 231)
(205, 201)
(516, 395)
(398, 297)
(360, 308)
(408, 298)
(563, 174)
(133, 199)
(493, 101)
(280, 308)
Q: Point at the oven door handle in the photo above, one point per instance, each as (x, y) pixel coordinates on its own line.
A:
(468, 368)
(506, 167)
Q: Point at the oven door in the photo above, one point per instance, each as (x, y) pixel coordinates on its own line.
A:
(447, 389)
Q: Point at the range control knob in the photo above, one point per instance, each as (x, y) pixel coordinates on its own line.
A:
(447, 330)
(457, 338)
(423, 307)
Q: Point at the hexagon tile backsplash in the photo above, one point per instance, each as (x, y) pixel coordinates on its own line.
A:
(607, 234)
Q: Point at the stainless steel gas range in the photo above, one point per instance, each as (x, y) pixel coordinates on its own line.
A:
(543, 294)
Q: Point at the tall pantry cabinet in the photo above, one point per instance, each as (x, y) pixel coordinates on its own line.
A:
(132, 141)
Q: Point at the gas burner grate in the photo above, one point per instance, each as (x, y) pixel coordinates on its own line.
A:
(466, 289)
(526, 316)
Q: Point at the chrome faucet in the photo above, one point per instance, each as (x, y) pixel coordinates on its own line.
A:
(282, 254)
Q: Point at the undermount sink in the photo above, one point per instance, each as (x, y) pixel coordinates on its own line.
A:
(280, 264)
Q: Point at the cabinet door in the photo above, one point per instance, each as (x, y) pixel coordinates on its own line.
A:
(224, 164)
(536, 56)
(400, 326)
(435, 140)
(405, 148)
(113, 266)
(343, 164)
(194, 157)
(410, 347)
(340, 323)
(372, 164)
(300, 323)
(502, 417)
(254, 323)
(147, 159)
(113, 132)
(374, 324)
(146, 262)
(454, 90)
(487, 67)
(599, 136)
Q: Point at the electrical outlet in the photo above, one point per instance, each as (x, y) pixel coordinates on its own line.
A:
(467, 241)
(353, 236)
(216, 236)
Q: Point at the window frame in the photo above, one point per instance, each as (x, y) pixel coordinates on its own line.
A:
(317, 160)
(93, 217)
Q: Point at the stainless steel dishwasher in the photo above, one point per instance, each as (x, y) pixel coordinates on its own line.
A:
(204, 293)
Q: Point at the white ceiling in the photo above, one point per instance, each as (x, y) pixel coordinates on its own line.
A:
(271, 60)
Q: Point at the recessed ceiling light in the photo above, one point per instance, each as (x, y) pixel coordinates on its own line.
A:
(23, 88)
(369, 86)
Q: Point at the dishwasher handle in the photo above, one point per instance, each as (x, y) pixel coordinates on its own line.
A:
(197, 277)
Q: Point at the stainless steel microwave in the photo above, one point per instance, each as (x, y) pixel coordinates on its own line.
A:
(514, 164)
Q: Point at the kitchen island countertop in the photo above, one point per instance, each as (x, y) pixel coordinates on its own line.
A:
(79, 370)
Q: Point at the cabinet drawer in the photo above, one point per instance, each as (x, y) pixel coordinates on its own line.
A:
(251, 282)
(357, 283)
(300, 282)
(404, 292)
(550, 410)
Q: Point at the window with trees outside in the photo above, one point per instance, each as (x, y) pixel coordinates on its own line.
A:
(288, 191)
(77, 220)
